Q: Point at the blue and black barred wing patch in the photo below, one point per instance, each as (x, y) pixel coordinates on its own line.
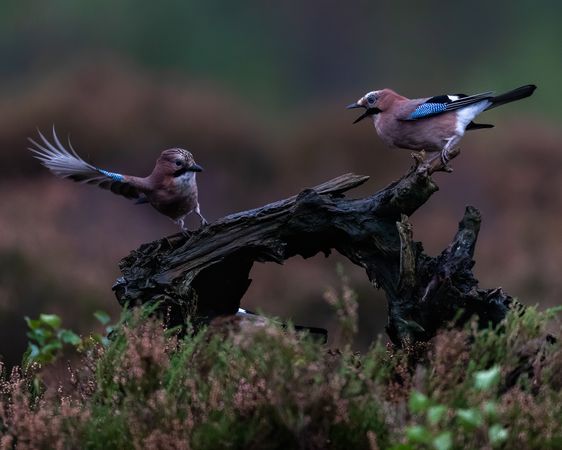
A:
(445, 103)
(426, 110)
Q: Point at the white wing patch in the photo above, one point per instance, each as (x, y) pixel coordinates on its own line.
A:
(466, 114)
(453, 97)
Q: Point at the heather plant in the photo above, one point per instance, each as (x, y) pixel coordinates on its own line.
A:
(243, 385)
(344, 304)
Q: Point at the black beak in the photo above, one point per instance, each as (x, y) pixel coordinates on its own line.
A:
(195, 168)
(368, 111)
(353, 106)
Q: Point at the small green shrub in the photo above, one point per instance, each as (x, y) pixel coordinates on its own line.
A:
(47, 338)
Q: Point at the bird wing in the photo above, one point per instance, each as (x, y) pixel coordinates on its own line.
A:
(445, 103)
(65, 163)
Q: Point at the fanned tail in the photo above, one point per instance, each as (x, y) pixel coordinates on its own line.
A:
(65, 163)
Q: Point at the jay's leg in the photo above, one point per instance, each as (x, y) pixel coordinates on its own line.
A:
(449, 146)
(183, 228)
(198, 212)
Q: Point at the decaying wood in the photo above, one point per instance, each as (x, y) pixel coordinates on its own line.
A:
(205, 274)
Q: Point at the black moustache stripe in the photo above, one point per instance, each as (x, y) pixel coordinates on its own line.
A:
(180, 172)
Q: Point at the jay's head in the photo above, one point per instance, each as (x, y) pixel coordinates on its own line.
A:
(177, 162)
(371, 102)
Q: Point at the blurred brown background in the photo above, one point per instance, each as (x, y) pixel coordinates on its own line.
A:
(257, 92)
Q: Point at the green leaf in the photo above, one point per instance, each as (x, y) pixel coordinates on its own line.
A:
(418, 434)
(497, 434)
(42, 333)
(487, 379)
(444, 441)
(51, 320)
(490, 409)
(48, 353)
(470, 418)
(31, 323)
(44, 358)
(70, 337)
(436, 413)
(418, 402)
(34, 351)
(102, 317)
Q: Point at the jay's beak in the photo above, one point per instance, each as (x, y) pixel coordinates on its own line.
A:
(354, 105)
(195, 168)
(368, 111)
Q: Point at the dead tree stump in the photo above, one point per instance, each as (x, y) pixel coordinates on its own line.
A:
(206, 274)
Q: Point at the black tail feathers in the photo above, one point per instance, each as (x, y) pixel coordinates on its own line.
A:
(511, 96)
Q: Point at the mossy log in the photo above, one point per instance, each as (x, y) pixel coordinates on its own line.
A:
(205, 274)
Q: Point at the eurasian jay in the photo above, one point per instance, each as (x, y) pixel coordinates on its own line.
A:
(434, 124)
(171, 188)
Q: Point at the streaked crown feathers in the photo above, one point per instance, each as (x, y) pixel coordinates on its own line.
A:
(172, 154)
(369, 100)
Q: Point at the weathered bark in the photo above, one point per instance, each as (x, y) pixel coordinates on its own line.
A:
(206, 273)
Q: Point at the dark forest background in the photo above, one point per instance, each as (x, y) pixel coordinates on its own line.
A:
(256, 90)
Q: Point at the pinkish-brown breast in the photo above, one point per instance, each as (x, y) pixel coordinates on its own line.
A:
(175, 196)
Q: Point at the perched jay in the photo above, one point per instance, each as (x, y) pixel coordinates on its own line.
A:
(434, 124)
(171, 188)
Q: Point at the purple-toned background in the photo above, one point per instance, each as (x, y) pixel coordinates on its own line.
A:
(257, 93)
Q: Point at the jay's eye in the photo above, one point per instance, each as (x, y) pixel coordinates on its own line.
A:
(178, 162)
(371, 99)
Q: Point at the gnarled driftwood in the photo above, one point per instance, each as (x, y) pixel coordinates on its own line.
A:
(206, 273)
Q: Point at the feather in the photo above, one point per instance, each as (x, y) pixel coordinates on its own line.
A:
(445, 103)
(65, 163)
(513, 95)
(469, 100)
(478, 126)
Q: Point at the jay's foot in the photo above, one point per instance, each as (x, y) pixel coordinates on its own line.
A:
(203, 221)
(445, 158)
(183, 228)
